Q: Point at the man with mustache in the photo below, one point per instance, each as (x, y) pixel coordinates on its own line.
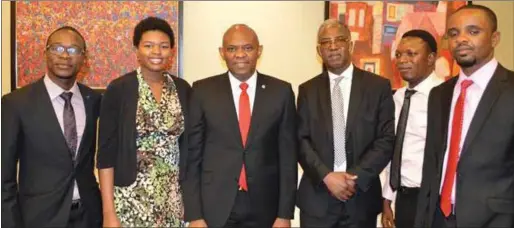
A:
(468, 171)
(49, 141)
(346, 133)
(415, 59)
(242, 166)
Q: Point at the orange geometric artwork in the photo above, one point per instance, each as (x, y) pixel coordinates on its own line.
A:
(107, 27)
(377, 26)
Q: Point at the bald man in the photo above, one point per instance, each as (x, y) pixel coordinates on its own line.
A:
(242, 166)
(346, 133)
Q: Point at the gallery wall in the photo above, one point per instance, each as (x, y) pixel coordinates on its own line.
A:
(287, 30)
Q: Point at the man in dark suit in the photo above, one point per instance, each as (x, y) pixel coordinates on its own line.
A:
(468, 171)
(49, 129)
(242, 166)
(346, 133)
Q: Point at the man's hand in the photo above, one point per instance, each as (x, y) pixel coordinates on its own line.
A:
(340, 184)
(387, 214)
(198, 223)
(280, 222)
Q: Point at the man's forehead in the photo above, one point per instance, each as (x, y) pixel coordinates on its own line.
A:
(65, 35)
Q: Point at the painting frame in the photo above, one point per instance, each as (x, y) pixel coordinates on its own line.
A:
(177, 61)
(388, 31)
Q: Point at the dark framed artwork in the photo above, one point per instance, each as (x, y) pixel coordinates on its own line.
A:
(376, 26)
(107, 27)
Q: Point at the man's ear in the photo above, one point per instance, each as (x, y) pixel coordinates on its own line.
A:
(222, 54)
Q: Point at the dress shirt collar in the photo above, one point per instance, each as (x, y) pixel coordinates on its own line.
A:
(252, 81)
(55, 91)
(347, 74)
(482, 76)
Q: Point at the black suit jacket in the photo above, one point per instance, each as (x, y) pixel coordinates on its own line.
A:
(117, 131)
(216, 152)
(485, 172)
(369, 142)
(31, 135)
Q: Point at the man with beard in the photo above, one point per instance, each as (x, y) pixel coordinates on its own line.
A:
(415, 58)
(468, 172)
(346, 133)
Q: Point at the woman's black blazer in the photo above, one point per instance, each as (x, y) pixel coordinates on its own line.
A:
(117, 130)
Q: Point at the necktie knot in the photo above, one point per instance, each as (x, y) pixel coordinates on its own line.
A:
(243, 86)
(66, 96)
(465, 84)
(409, 93)
(338, 80)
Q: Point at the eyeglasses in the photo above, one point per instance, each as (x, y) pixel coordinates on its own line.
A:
(58, 49)
(338, 42)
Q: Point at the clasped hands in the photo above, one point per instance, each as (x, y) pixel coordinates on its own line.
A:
(341, 184)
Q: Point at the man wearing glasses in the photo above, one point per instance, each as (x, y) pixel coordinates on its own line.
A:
(346, 136)
(49, 130)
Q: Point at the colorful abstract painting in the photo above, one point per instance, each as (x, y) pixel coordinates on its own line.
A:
(377, 26)
(107, 27)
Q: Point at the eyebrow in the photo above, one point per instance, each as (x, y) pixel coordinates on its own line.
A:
(163, 42)
(328, 38)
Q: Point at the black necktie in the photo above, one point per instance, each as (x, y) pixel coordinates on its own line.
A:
(398, 143)
(70, 126)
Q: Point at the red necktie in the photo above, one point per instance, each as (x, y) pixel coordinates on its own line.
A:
(244, 127)
(453, 156)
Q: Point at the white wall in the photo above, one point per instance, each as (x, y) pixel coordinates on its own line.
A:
(287, 31)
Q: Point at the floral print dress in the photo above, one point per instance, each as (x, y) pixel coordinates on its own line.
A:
(154, 199)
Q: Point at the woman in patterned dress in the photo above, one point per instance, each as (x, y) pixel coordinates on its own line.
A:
(141, 136)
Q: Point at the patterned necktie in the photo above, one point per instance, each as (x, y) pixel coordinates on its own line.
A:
(244, 127)
(396, 163)
(453, 156)
(339, 125)
(70, 126)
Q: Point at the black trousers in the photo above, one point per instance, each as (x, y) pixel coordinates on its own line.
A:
(242, 215)
(337, 217)
(441, 221)
(405, 207)
(78, 217)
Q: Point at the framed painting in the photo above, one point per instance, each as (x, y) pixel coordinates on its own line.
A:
(376, 27)
(107, 27)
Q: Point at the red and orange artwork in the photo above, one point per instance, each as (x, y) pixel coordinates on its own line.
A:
(377, 26)
(107, 27)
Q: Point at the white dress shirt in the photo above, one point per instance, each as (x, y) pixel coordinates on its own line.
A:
(480, 79)
(54, 91)
(413, 148)
(346, 87)
(236, 90)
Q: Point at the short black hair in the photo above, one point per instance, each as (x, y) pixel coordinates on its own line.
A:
(490, 14)
(425, 36)
(69, 28)
(152, 23)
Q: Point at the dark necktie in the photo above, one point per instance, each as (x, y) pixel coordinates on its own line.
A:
(70, 126)
(398, 144)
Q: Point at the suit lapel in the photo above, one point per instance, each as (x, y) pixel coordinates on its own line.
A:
(89, 125)
(446, 103)
(258, 107)
(489, 98)
(355, 99)
(325, 105)
(47, 117)
(226, 102)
